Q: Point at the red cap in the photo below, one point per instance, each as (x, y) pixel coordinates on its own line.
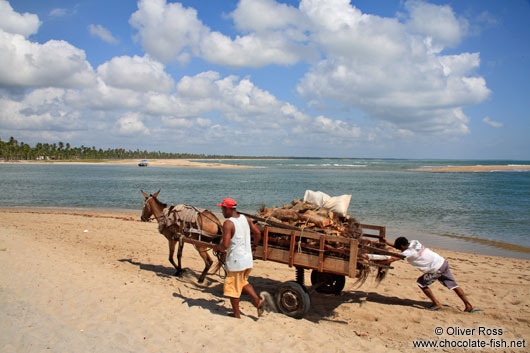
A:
(228, 202)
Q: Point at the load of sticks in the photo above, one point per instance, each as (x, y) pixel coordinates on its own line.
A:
(306, 215)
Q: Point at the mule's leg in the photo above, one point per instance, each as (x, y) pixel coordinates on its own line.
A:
(203, 251)
(172, 244)
(179, 258)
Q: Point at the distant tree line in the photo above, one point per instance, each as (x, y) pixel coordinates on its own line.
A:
(14, 150)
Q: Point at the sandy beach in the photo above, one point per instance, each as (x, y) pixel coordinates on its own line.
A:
(476, 168)
(89, 281)
(185, 163)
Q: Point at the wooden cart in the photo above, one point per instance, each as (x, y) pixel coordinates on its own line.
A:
(331, 259)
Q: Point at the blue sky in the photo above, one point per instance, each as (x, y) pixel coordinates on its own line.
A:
(380, 79)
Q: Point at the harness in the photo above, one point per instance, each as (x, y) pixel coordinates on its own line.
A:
(144, 204)
(181, 218)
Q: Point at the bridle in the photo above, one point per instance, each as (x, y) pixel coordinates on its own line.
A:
(144, 205)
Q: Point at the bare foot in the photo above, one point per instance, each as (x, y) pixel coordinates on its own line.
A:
(468, 308)
(434, 307)
(237, 316)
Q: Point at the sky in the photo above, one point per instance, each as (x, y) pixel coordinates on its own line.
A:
(320, 78)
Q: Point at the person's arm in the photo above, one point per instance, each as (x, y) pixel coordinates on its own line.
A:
(389, 261)
(255, 232)
(393, 258)
(228, 233)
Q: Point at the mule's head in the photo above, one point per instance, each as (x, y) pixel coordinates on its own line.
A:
(150, 206)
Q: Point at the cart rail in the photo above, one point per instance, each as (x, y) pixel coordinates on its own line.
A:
(303, 248)
(296, 253)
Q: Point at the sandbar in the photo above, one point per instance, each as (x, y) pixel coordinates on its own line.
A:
(185, 163)
(476, 168)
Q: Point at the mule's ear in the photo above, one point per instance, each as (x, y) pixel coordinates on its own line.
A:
(145, 195)
(156, 193)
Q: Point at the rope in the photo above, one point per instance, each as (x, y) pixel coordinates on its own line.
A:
(301, 233)
(215, 220)
(219, 256)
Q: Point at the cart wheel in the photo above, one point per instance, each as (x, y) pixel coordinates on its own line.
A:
(292, 299)
(327, 283)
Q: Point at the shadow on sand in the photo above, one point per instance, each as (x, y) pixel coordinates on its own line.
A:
(322, 305)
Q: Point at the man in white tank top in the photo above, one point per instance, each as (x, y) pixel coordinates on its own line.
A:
(237, 243)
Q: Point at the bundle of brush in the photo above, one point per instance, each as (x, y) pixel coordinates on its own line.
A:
(305, 215)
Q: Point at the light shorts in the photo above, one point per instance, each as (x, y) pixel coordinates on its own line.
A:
(235, 281)
(443, 275)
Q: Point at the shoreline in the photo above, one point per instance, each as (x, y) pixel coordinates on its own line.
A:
(461, 244)
(184, 163)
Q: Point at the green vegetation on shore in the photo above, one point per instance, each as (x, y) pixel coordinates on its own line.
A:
(14, 150)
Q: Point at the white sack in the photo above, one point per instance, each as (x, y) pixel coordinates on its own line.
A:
(316, 197)
(337, 204)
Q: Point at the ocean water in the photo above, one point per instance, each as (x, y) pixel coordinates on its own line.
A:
(452, 208)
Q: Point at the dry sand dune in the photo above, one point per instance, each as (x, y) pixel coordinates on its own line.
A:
(87, 281)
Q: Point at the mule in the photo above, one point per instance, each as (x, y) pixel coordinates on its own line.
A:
(206, 221)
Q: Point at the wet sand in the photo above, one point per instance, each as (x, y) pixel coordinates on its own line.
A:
(99, 281)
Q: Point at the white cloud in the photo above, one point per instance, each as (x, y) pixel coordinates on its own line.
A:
(336, 128)
(168, 31)
(391, 70)
(436, 22)
(198, 86)
(58, 12)
(41, 110)
(62, 12)
(394, 72)
(104, 97)
(254, 115)
(377, 65)
(265, 15)
(487, 120)
(102, 33)
(12, 22)
(181, 123)
(25, 64)
(459, 65)
(254, 50)
(178, 123)
(238, 98)
(130, 124)
(171, 32)
(136, 73)
(202, 122)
